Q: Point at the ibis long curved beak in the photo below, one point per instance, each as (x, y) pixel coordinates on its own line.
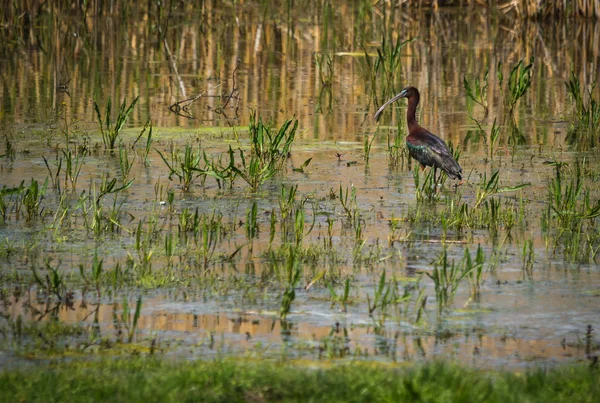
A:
(402, 94)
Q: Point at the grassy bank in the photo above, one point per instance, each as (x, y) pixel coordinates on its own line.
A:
(140, 379)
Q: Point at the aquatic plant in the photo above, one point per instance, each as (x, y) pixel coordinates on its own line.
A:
(53, 283)
(490, 139)
(287, 199)
(92, 209)
(325, 67)
(169, 248)
(124, 163)
(143, 246)
(519, 81)
(447, 276)
(217, 169)
(385, 68)
(367, 145)
(252, 222)
(477, 91)
(425, 191)
(382, 296)
(8, 195)
(74, 162)
(110, 133)
(299, 226)
(569, 200)
(340, 299)
(586, 121)
(528, 256)
(96, 272)
(149, 141)
(570, 217)
(324, 102)
(126, 322)
(54, 177)
(33, 196)
(212, 232)
(474, 268)
(186, 168)
(292, 277)
(268, 151)
(348, 201)
(491, 187)
(396, 148)
(9, 150)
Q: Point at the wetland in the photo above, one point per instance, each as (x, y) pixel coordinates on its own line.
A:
(208, 180)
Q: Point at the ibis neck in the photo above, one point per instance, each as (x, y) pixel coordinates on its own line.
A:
(411, 119)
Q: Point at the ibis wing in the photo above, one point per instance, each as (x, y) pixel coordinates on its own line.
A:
(431, 150)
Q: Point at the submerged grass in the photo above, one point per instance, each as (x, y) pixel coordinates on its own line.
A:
(151, 379)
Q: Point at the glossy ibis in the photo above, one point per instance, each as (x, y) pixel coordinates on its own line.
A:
(424, 146)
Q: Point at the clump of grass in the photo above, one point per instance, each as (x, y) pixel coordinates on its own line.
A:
(33, 196)
(425, 191)
(8, 195)
(223, 174)
(586, 123)
(95, 219)
(110, 132)
(570, 219)
(268, 151)
(447, 276)
(186, 168)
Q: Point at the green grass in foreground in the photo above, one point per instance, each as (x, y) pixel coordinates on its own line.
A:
(149, 380)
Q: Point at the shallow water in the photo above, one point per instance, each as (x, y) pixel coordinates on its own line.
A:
(230, 305)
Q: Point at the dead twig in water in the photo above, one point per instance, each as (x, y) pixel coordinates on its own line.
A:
(180, 106)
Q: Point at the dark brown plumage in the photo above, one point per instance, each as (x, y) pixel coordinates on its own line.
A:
(424, 146)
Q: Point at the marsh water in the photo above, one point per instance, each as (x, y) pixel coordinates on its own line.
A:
(200, 72)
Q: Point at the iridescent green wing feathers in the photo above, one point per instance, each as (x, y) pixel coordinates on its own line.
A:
(432, 151)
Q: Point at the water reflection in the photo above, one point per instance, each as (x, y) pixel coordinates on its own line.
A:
(64, 58)
(176, 325)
